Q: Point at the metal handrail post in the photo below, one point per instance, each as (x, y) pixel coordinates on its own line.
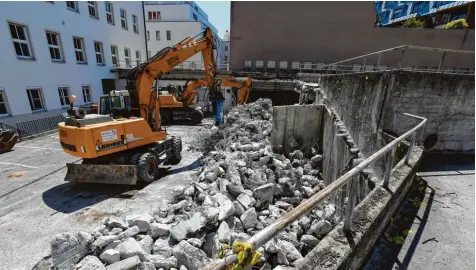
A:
(388, 168)
(409, 152)
(350, 203)
(441, 61)
(378, 61)
(364, 64)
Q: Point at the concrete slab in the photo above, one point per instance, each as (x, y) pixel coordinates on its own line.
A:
(434, 227)
(36, 203)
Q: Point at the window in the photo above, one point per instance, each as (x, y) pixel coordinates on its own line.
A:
(73, 5)
(21, 41)
(135, 26)
(418, 7)
(148, 36)
(123, 19)
(195, 16)
(63, 95)
(79, 50)
(109, 13)
(127, 57)
(3, 104)
(54, 44)
(397, 13)
(308, 65)
(247, 63)
(157, 35)
(114, 55)
(283, 65)
(99, 53)
(437, 4)
(35, 98)
(271, 64)
(226, 48)
(154, 15)
(169, 35)
(226, 58)
(259, 63)
(86, 94)
(137, 58)
(93, 9)
(295, 65)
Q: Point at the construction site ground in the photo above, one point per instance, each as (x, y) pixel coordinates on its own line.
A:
(36, 203)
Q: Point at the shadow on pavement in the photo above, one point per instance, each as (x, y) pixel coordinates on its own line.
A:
(434, 162)
(387, 248)
(70, 197)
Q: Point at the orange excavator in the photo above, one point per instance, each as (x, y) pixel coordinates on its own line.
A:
(129, 148)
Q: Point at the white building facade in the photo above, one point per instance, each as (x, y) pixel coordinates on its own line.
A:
(170, 22)
(52, 50)
(226, 50)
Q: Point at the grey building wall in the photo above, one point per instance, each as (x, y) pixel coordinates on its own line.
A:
(327, 32)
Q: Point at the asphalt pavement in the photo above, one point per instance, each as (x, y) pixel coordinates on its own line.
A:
(36, 203)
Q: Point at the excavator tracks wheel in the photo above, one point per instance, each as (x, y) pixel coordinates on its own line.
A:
(176, 151)
(147, 166)
(197, 116)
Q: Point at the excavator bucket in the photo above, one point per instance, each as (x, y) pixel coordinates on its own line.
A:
(8, 139)
(102, 174)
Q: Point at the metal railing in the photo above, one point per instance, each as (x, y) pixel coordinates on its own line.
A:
(38, 126)
(350, 179)
(21, 133)
(378, 61)
(187, 65)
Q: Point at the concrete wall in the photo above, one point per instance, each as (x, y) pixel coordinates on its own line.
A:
(41, 72)
(326, 32)
(370, 103)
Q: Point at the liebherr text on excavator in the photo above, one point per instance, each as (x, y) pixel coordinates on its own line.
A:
(124, 150)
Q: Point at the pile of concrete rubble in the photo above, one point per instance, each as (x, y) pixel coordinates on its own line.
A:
(243, 186)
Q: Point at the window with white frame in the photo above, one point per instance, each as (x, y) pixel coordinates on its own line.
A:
(35, 97)
(109, 13)
(137, 57)
(271, 64)
(54, 45)
(123, 19)
(86, 93)
(295, 65)
(157, 35)
(93, 9)
(79, 50)
(283, 65)
(99, 53)
(3, 103)
(21, 40)
(63, 93)
(247, 63)
(135, 25)
(148, 35)
(259, 63)
(127, 56)
(114, 55)
(153, 15)
(169, 35)
(72, 5)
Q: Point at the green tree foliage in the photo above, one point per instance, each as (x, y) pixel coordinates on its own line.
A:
(457, 24)
(412, 23)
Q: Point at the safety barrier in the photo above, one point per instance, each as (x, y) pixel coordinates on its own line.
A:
(376, 61)
(38, 126)
(349, 179)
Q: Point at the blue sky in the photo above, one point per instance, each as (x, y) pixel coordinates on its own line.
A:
(218, 14)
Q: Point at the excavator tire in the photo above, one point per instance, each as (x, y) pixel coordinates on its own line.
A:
(147, 166)
(176, 151)
(197, 116)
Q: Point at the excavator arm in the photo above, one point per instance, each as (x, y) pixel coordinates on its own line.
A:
(244, 86)
(190, 92)
(141, 78)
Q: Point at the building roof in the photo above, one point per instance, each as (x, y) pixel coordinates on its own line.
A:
(226, 37)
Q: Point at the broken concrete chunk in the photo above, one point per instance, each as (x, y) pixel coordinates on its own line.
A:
(305, 223)
(158, 230)
(223, 232)
(289, 250)
(320, 228)
(90, 263)
(264, 195)
(292, 143)
(146, 266)
(211, 214)
(104, 241)
(316, 161)
(190, 256)
(189, 191)
(226, 211)
(235, 190)
(124, 264)
(329, 212)
(190, 226)
(146, 243)
(115, 231)
(211, 245)
(66, 249)
(84, 238)
(281, 257)
(142, 221)
(161, 247)
(161, 262)
(245, 200)
(117, 222)
(239, 209)
(207, 201)
(308, 192)
(296, 154)
(110, 256)
(249, 218)
(309, 240)
(195, 242)
(130, 248)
